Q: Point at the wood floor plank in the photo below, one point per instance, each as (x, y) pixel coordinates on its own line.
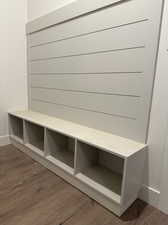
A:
(152, 216)
(138, 214)
(29, 194)
(32, 195)
(51, 210)
(94, 214)
(90, 214)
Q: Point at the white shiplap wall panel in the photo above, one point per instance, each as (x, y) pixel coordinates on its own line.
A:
(116, 83)
(71, 11)
(113, 17)
(121, 61)
(115, 39)
(106, 122)
(96, 69)
(91, 101)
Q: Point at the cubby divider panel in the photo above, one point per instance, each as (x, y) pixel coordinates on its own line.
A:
(16, 127)
(60, 147)
(34, 135)
(100, 168)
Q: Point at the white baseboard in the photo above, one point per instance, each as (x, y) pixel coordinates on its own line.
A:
(4, 140)
(150, 195)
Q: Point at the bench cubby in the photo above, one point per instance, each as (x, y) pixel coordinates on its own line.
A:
(100, 169)
(34, 136)
(16, 128)
(106, 167)
(60, 148)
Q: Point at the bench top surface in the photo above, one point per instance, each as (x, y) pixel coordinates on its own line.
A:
(114, 144)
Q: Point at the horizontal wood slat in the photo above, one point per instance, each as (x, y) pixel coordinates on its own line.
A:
(121, 84)
(123, 38)
(70, 11)
(122, 61)
(117, 125)
(123, 106)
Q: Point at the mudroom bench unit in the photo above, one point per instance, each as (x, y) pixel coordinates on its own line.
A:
(106, 167)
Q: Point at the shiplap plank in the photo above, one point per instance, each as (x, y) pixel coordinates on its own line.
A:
(116, 125)
(124, 84)
(113, 39)
(121, 61)
(102, 19)
(69, 11)
(125, 106)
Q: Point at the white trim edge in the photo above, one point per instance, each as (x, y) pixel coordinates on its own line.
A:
(4, 140)
(150, 195)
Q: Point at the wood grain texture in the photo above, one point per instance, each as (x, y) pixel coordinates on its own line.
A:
(32, 195)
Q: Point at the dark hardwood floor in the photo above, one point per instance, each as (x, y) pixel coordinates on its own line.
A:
(32, 195)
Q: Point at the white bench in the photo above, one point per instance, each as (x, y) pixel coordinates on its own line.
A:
(106, 167)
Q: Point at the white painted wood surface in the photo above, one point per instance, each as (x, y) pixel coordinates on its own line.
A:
(117, 145)
(133, 177)
(66, 13)
(112, 57)
(73, 180)
(124, 61)
(114, 84)
(16, 128)
(34, 135)
(104, 191)
(102, 40)
(60, 147)
(91, 102)
(87, 155)
(97, 173)
(60, 164)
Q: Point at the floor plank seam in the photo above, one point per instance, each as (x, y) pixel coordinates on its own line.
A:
(73, 214)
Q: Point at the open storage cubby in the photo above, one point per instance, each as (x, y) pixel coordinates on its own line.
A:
(106, 167)
(16, 127)
(60, 147)
(34, 136)
(102, 170)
